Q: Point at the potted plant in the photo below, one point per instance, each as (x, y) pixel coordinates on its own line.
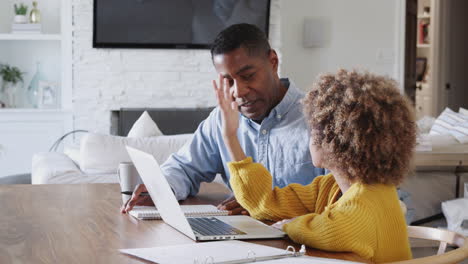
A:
(12, 77)
(20, 13)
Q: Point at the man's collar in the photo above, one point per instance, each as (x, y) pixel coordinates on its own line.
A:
(289, 99)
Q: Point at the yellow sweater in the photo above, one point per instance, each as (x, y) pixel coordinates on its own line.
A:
(366, 219)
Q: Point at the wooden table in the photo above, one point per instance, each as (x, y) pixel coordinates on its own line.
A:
(82, 224)
(450, 158)
(443, 157)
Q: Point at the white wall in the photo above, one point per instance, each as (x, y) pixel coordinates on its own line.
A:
(359, 33)
(108, 79)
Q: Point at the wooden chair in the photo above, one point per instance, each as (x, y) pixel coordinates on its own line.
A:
(445, 237)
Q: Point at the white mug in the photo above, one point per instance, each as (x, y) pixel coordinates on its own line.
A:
(128, 179)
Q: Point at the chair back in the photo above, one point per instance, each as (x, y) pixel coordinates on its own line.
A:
(445, 237)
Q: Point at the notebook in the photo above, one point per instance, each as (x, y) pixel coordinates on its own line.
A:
(226, 252)
(151, 213)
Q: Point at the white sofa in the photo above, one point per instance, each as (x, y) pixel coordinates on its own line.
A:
(97, 158)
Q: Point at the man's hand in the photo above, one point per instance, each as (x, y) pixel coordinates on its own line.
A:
(136, 199)
(232, 206)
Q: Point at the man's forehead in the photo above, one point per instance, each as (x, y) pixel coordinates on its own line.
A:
(234, 57)
(231, 64)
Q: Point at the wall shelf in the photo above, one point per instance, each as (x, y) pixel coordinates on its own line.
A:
(30, 110)
(10, 36)
(425, 33)
(25, 131)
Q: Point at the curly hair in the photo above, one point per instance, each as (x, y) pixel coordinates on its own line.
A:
(365, 125)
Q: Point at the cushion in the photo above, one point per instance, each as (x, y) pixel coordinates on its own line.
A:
(463, 111)
(445, 122)
(46, 165)
(144, 127)
(58, 168)
(460, 132)
(73, 152)
(425, 124)
(103, 153)
(451, 123)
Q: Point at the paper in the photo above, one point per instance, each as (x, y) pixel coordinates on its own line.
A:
(217, 252)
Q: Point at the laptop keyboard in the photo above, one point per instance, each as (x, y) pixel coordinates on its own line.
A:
(211, 226)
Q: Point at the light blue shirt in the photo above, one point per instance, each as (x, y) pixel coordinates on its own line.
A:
(280, 143)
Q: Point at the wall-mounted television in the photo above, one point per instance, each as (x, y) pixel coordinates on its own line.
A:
(171, 23)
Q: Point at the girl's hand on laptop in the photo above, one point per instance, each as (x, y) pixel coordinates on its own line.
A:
(228, 106)
(279, 225)
(231, 205)
(137, 199)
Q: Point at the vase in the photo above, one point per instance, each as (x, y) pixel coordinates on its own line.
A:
(10, 94)
(2, 94)
(20, 19)
(35, 15)
(33, 88)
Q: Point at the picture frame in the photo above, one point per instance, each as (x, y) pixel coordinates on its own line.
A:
(47, 94)
(421, 67)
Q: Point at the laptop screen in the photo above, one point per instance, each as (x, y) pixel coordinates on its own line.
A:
(160, 191)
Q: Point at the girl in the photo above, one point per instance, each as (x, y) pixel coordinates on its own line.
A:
(363, 131)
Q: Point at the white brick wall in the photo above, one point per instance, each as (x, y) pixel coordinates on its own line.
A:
(108, 79)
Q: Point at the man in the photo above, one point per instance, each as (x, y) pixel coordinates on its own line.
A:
(271, 130)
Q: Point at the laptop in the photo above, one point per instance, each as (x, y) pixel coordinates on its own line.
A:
(197, 228)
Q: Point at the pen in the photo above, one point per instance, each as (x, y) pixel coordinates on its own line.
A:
(130, 193)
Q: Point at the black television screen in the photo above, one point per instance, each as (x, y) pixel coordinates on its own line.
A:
(171, 23)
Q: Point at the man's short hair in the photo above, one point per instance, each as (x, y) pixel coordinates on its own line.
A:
(248, 36)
